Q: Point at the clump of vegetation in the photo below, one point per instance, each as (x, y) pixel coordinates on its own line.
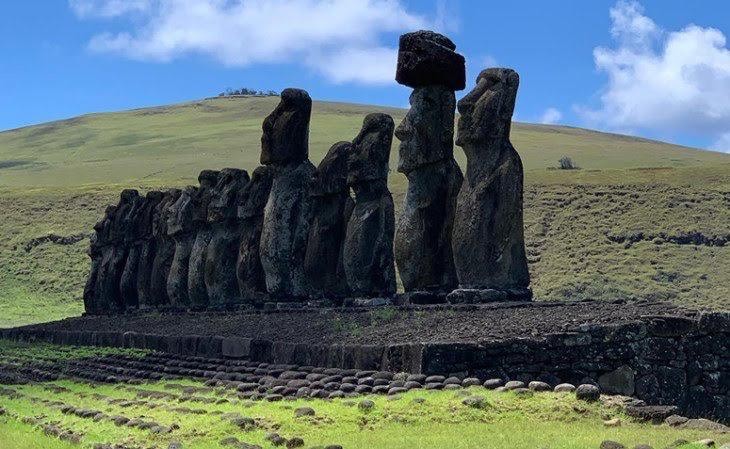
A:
(566, 163)
(246, 91)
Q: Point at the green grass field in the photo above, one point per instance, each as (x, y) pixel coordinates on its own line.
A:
(202, 417)
(58, 177)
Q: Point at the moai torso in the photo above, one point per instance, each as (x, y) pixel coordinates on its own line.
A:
(222, 251)
(197, 292)
(488, 238)
(287, 215)
(332, 207)
(164, 251)
(251, 204)
(181, 228)
(148, 248)
(368, 248)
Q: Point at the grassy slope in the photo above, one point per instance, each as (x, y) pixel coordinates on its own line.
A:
(57, 177)
(505, 420)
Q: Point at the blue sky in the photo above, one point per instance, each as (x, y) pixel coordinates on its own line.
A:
(655, 68)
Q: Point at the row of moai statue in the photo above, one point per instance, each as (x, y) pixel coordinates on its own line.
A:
(292, 232)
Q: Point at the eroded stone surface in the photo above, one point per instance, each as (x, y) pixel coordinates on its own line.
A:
(181, 227)
(197, 293)
(164, 249)
(427, 58)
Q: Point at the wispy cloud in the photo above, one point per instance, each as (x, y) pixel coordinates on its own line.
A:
(663, 81)
(339, 39)
(551, 116)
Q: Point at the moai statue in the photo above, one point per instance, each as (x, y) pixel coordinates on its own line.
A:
(128, 280)
(164, 249)
(197, 293)
(428, 63)
(368, 251)
(148, 248)
(114, 260)
(287, 215)
(251, 203)
(181, 228)
(332, 207)
(488, 237)
(222, 251)
(99, 249)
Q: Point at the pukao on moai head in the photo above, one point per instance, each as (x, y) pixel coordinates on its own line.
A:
(197, 293)
(428, 62)
(181, 227)
(368, 248)
(148, 248)
(222, 252)
(287, 216)
(489, 246)
(164, 249)
(251, 203)
(332, 206)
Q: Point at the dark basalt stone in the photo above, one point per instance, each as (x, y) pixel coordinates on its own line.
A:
(197, 293)
(332, 207)
(164, 249)
(287, 214)
(181, 227)
(368, 248)
(251, 203)
(148, 248)
(99, 250)
(488, 236)
(426, 58)
(222, 251)
(423, 248)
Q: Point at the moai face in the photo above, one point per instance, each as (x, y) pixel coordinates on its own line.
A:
(207, 179)
(427, 131)
(223, 199)
(253, 196)
(286, 130)
(486, 111)
(181, 212)
(331, 174)
(162, 212)
(368, 160)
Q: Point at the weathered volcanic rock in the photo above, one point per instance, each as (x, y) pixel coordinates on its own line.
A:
(287, 215)
(488, 236)
(148, 248)
(197, 293)
(332, 207)
(423, 249)
(426, 58)
(251, 203)
(222, 252)
(181, 227)
(98, 251)
(131, 241)
(164, 249)
(368, 249)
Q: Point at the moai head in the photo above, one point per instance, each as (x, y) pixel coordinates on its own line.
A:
(207, 179)
(102, 227)
(486, 111)
(147, 212)
(427, 131)
(162, 212)
(120, 222)
(426, 58)
(223, 198)
(286, 130)
(180, 220)
(368, 160)
(331, 174)
(253, 196)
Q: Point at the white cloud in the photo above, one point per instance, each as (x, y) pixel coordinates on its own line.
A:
(722, 144)
(337, 38)
(663, 81)
(108, 8)
(551, 116)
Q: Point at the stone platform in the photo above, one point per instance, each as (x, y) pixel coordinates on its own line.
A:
(655, 351)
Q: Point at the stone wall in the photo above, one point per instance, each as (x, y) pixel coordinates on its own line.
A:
(662, 360)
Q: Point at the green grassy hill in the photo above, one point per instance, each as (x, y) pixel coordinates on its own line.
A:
(617, 227)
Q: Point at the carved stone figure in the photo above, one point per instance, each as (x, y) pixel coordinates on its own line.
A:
(488, 237)
(368, 249)
(197, 293)
(287, 215)
(148, 248)
(181, 228)
(251, 203)
(132, 244)
(332, 207)
(427, 61)
(164, 249)
(222, 251)
(99, 249)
